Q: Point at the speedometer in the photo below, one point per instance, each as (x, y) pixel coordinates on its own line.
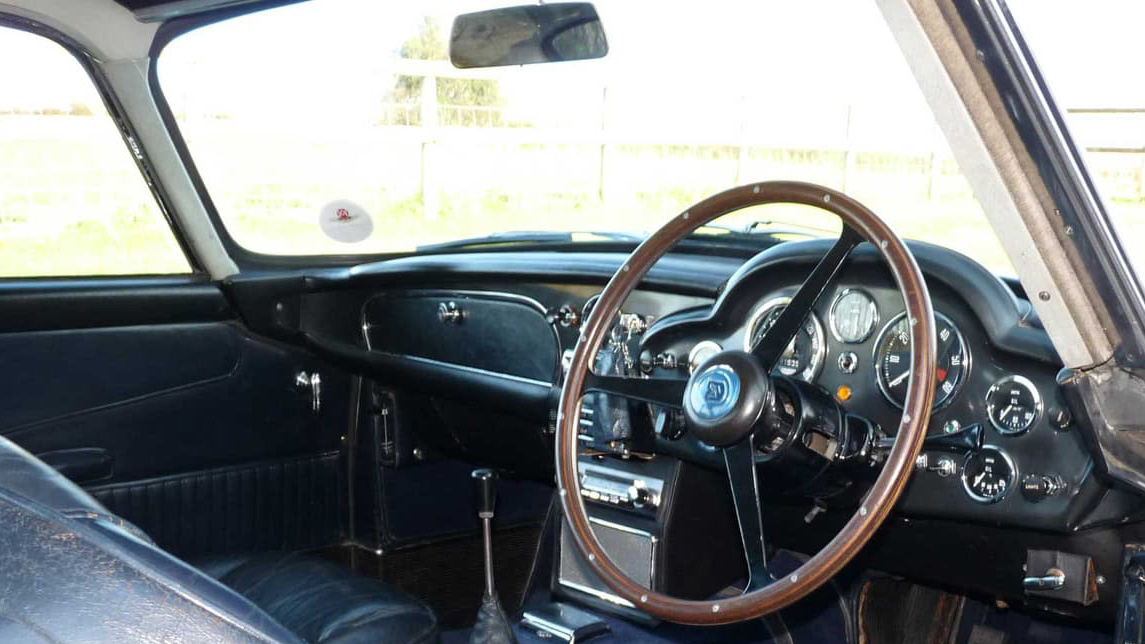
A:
(804, 357)
(892, 360)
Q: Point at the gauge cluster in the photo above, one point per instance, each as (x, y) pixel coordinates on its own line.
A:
(856, 346)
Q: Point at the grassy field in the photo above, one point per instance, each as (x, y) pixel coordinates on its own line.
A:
(72, 202)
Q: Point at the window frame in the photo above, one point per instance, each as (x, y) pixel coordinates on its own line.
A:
(133, 149)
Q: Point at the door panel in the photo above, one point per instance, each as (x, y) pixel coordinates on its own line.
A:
(62, 373)
(283, 504)
(179, 421)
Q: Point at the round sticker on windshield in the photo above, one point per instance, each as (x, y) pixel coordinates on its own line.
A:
(345, 221)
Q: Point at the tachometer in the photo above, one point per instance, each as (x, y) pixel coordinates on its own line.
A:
(892, 360)
(804, 357)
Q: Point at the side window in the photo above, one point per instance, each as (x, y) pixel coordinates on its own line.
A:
(72, 201)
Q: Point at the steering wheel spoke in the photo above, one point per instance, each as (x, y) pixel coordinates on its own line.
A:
(667, 392)
(772, 345)
(740, 462)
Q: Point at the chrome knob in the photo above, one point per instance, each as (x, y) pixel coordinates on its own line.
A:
(639, 495)
(450, 313)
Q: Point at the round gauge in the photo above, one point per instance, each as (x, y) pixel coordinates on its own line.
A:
(854, 316)
(1013, 404)
(988, 474)
(804, 357)
(701, 352)
(892, 360)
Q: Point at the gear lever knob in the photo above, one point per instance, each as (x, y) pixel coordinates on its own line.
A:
(484, 492)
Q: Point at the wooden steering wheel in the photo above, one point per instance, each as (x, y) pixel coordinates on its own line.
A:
(727, 396)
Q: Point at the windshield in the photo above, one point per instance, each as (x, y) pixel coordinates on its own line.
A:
(305, 117)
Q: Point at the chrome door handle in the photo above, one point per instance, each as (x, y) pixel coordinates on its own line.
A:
(1052, 580)
(313, 382)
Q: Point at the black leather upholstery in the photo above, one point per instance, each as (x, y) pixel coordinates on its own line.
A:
(322, 603)
(72, 572)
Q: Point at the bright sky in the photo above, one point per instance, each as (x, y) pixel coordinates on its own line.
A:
(1093, 57)
(1091, 52)
(691, 72)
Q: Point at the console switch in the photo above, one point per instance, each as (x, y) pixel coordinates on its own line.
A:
(1036, 487)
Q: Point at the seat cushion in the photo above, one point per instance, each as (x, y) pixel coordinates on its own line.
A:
(321, 601)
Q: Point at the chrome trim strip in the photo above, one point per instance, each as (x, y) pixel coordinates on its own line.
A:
(599, 594)
(550, 627)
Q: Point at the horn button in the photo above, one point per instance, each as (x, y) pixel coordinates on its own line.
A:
(726, 397)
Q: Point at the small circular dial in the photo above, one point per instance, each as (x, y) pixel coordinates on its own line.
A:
(1013, 404)
(892, 360)
(988, 475)
(803, 358)
(853, 316)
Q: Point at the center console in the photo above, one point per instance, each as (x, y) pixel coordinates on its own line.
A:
(690, 553)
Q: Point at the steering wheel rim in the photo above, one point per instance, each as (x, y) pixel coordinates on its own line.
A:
(888, 487)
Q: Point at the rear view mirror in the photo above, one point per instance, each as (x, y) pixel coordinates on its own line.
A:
(540, 33)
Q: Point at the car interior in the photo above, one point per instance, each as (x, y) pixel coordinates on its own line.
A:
(290, 429)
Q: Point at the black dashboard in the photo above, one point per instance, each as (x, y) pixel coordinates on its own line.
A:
(499, 325)
(477, 341)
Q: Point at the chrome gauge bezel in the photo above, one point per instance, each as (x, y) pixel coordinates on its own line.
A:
(1031, 387)
(818, 355)
(1014, 476)
(832, 318)
(967, 366)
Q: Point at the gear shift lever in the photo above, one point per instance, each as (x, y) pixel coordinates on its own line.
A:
(492, 625)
